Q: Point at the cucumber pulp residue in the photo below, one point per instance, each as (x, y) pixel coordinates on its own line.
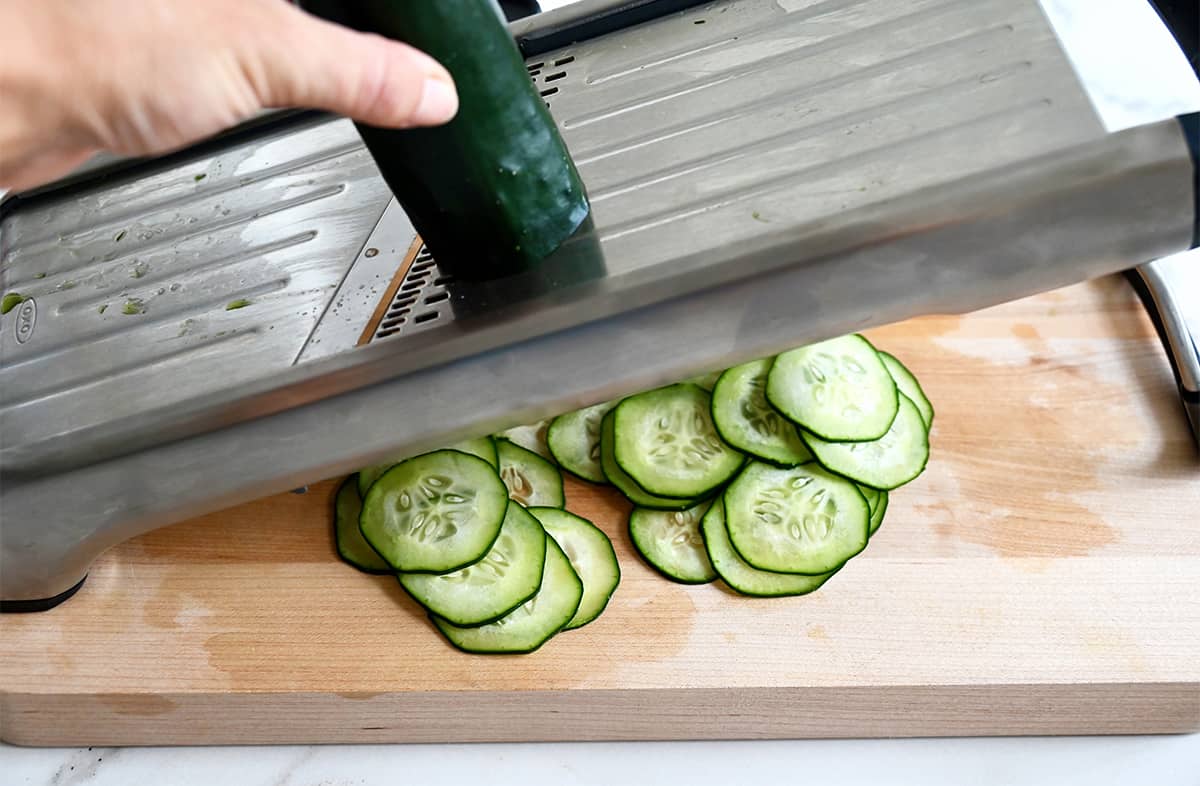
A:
(11, 301)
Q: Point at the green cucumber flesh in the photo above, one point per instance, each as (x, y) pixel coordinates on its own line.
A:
(625, 484)
(591, 555)
(368, 475)
(351, 547)
(435, 513)
(706, 381)
(747, 421)
(897, 458)
(795, 520)
(670, 541)
(531, 437)
(574, 441)
(837, 389)
(871, 496)
(531, 624)
(907, 382)
(479, 536)
(738, 574)
(483, 447)
(530, 479)
(507, 576)
(665, 441)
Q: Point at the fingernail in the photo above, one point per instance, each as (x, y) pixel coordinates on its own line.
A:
(438, 104)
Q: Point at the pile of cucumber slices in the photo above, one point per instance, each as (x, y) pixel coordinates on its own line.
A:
(769, 476)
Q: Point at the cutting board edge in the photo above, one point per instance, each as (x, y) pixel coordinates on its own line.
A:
(244, 718)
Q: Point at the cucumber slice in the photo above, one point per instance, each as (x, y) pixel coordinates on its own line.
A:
(434, 513)
(887, 463)
(747, 421)
(531, 437)
(368, 475)
(625, 484)
(796, 520)
(739, 575)
(871, 496)
(907, 382)
(671, 542)
(592, 558)
(878, 512)
(837, 389)
(531, 624)
(483, 447)
(351, 547)
(877, 502)
(574, 441)
(667, 443)
(706, 381)
(507, 576)
(530, 479)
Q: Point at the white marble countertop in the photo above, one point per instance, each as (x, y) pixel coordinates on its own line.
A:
(1126, 90)
(1065, 761)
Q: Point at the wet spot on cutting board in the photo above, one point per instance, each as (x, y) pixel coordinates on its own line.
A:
(1040, 447)
(1019, 468)
(295, 631)
(1026, 332)
(237, 535)
(1024, 453)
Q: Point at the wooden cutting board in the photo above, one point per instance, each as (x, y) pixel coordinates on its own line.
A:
(1042, 577)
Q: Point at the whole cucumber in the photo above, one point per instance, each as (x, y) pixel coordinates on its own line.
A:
(494, 191)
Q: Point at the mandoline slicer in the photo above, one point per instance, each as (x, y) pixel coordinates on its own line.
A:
(256, 313)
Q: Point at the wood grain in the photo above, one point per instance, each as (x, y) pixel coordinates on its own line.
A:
(1043, 576)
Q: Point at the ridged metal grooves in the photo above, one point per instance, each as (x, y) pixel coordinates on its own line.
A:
(547, 75)
(207, 273)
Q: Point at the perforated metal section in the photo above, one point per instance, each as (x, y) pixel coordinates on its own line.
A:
(422, 300)
(548, 75)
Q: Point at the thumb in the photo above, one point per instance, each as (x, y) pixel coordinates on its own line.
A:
(315, 64)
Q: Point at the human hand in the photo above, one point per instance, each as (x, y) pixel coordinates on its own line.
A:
(82, 76)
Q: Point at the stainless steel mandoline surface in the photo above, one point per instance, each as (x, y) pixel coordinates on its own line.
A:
(762, 174)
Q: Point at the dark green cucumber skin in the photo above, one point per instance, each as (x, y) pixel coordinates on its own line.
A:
(551, 543)
(494, 191)
(338, 541)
